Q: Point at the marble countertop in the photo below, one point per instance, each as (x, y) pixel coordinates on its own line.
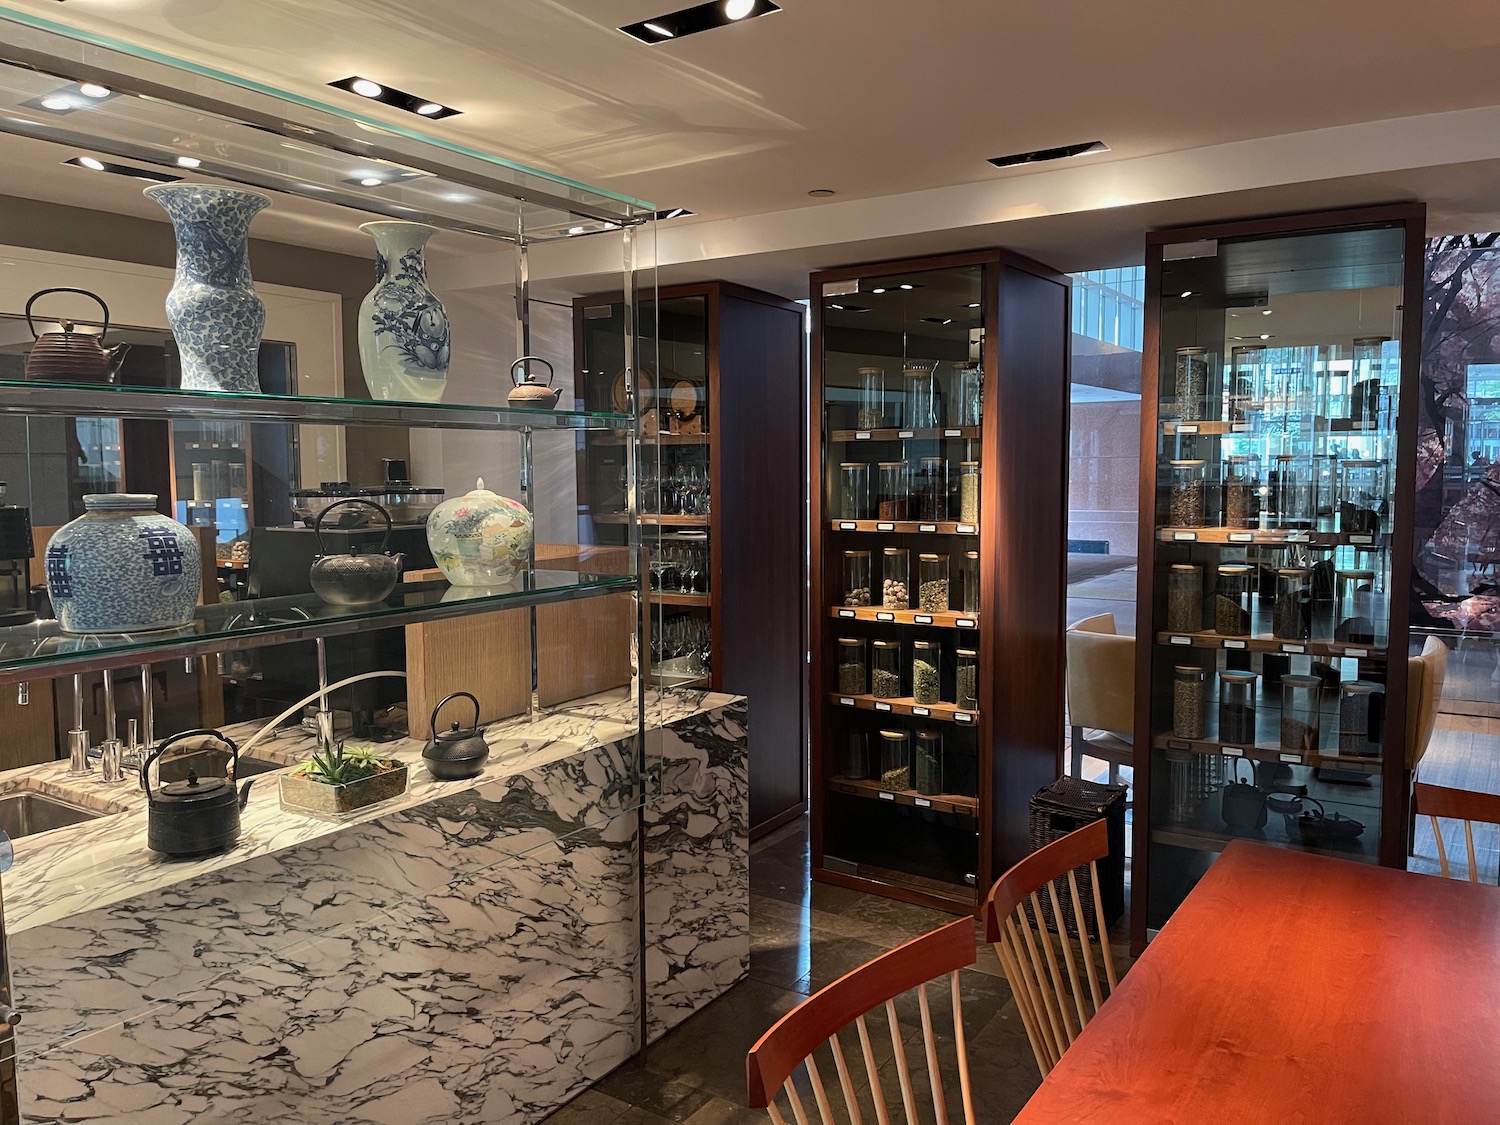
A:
(66, 871)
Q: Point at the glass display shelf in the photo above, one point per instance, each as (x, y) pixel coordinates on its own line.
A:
(937, 802)
(942, 712)
(42, 648)
(906, 527)
(948, 620)
(1265, 642)
(1263, 751)
(968, 433)
(93, 400)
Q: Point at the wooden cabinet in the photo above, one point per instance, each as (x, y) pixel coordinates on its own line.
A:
(951, 374)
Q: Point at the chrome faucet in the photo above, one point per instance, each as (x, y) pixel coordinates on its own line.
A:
(78, 737)
(111, 749)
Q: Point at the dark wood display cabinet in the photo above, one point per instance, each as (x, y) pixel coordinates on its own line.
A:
(722, 498)
(1278, 469)
(938, 455)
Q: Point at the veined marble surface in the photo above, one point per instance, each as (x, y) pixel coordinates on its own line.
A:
(83, 867)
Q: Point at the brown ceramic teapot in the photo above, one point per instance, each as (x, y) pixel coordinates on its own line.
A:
(71, 355)
(528, 392)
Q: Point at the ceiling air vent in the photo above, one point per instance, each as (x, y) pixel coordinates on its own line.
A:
(1087, 148)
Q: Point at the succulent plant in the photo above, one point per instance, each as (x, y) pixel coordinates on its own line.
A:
(332, 764)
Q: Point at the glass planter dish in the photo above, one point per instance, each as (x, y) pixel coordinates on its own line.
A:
(857, 757)
(969, 576)
(968, 492)
(1362, 496)
(895, 761)
(854, 490)
(301, 794)
(895, 578)
(1233, 599)
(1185, 506)
(1240, 491)
(1367, 395)
(1361, 718)
(1184, 598)
(929, 762)
(1246, 362)
(967, 695)
(1301, 713)
(926, 665)
(1237, 707)
(1188, 701)
(967, 406)
(1291, 617)
(856, 578)
(871, 414)
(895, 490)
(923, 409)
(885, 669)
(1191, 383)
(854, 676)
(932, 583)
(932, 489)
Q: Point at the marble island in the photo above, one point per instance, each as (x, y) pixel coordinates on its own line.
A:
(469, 952)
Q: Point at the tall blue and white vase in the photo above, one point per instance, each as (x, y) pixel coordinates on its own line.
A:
(404, 342)
(122, 567)
(213, 309)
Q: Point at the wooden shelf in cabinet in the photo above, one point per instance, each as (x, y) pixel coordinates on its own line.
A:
(1237, 537)
(606, 437)
(968, 433)
(661, 598)
(655, 520)
(904, 617)
(1360, 849)
(1260, 752)
(906, 527)
(1205, 426)
(1265, 642)
(938, 802)
(905, 705)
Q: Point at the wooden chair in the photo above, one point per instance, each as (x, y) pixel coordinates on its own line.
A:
(1100, 682)
(1050, 995)
(1433, 801)
(1425, 675)
(819, 1019)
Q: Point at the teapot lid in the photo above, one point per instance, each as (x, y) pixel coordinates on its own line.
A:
(193, 789)
(457, 744)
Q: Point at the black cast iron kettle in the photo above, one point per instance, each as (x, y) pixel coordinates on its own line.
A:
(196, 815)
(458, 752)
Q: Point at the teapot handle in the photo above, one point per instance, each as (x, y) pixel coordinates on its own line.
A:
(520, 367)
(67, 289)
(385, 539)
(234, 761)
(432, 722)
(1234, 771)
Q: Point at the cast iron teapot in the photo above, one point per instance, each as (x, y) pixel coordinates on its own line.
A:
(457, 752)
(1243, 804)
(72, 356)
(198, 815)
(358, 578)
(527, 392)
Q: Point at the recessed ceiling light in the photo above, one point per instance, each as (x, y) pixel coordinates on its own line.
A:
(57, 103)
(1265, 335)
(973, 304)
(90, 162)
(701, 17)
(188, 161)
(578, 230)
(938, 319)
(389, 95)
(1037, 156)
(877, 290)
(94, 164)
(1265, 312)
(371, 181)
(93, 90)
(907, 285)
(1187, 292)
(821, 192)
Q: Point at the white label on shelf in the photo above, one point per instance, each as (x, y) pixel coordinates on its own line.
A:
(1361, 538)
(847, 700)
(1185, 536)
(1294, 649)
(922, 619)
(1181, 640)
(963, 716)
(921, 802)
(1293, 759)
(1298, 536)
(1233, 752)
(1234, 644)
(882, 616)
(966, 623)
(1239, 427)
(923, 711)
(861, 435)
(847, 613)
(1186, 429)
(906, 433)
(1242, 537)
(964, 528)
(848, 525)
(885, 527)
(882, 706)
(926, 527)
(1356, 652)
(884, 796)
(953, 433)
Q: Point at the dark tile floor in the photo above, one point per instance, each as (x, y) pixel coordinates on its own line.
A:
(804, 935)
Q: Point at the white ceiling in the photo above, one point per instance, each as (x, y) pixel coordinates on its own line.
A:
(886, 98)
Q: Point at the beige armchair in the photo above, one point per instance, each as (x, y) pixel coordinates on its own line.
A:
(1101, 694)
(1424, 691)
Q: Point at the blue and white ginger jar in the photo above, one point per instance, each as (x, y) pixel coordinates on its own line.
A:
(123, 567)
(404, 339)
(216, 316)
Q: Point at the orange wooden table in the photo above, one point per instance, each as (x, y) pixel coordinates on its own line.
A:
(1296, 989)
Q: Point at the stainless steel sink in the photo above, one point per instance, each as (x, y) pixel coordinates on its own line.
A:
(25, 814)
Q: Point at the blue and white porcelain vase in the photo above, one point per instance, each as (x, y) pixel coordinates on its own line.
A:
(213, 309)
(123, 567)
(404, 341)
